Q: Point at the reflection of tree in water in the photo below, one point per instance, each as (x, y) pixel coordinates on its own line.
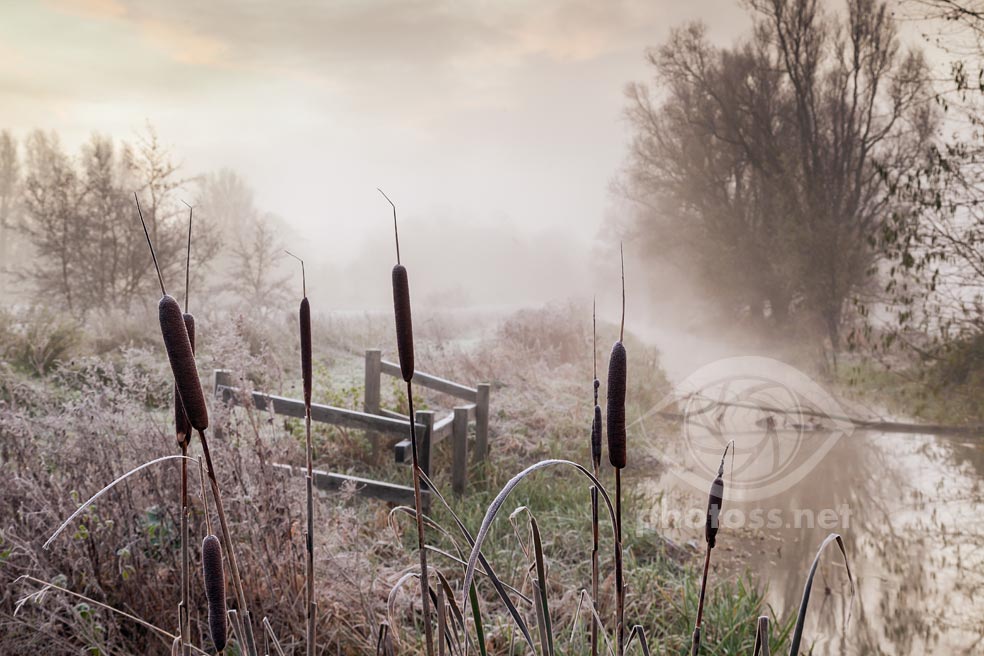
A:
(914, 546)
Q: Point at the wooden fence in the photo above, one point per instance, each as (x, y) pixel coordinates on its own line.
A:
(380, 422)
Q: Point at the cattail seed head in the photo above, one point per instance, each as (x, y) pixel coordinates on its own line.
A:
(182, 359)
(305, 319)
(596, 437)
(404, 325)
(214, 590)
(181, 423)
(714, 501)
(617, 366)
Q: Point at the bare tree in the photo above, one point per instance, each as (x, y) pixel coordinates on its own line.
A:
(227, 200)
(80, 218)
(934, 297)
(257, 275)
(768, 157)
(9, 179)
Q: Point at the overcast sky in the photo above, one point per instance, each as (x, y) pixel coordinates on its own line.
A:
(489, 112)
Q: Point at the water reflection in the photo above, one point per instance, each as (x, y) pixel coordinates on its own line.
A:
(909, 508)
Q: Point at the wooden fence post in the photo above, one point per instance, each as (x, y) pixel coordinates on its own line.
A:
(425, 417)
(221, 378)
(374, 369)
(459, 454)
(482, 422)
(424, 438)
(371, 403)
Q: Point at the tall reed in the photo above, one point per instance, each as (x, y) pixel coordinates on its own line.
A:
(404, 345)
(711, 525)
(596, 464)
(304, 322)
(617, 372)
(185, 371)
(183, 432)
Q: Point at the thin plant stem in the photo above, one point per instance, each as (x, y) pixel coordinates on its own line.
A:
(695, 641)
(619, 582)
(191, 213)
(621, 330)
(396, 232)
(419, 512)
(594, 567)
(201, 478)
(594, 491)
(183, 608)
(227, 543)
(153, 254)
(303, 275)
(311, 607)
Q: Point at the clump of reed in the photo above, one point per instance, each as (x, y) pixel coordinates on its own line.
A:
(181, 357)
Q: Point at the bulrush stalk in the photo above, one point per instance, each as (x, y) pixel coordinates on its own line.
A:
(617, 370)
(177, 343)
(404, 344)
(304, 321)
(183, 432)
(596, 464)
(714, 500)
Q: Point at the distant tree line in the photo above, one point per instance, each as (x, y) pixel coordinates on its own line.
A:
(73, 223)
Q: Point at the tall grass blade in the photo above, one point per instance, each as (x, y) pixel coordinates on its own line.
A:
(500, 499)
(477, 615)
(273, 637)
(801, 616)
(638, 632)
(384, 644)
(103, 491)
(500, 588)
(593, 609)
(762, 637)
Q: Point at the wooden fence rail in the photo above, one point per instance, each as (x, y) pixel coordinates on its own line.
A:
(377, 421)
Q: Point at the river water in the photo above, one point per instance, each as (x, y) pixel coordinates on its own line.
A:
(909, 509)
(908, 506)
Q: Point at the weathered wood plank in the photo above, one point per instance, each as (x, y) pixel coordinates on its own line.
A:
(459, 454)
(320, 413)
(365, 487)
(432, 382)
(442, 430)
(373, 372)
(482, 422)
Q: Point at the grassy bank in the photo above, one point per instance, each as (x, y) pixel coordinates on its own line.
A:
(75, 414)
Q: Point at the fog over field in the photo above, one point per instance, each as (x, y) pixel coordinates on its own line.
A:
(660, 280)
